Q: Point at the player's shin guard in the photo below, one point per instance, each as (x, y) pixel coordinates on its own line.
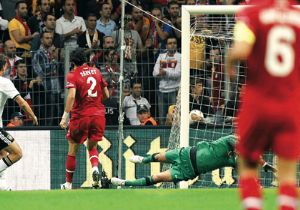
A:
(93, 153)
(287, 199)
(145, 181)
(250, 192)
(70, 168)
(150, 158)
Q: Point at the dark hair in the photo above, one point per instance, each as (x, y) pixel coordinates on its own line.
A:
(170, 3)
(196, 80)
(20, 2)
(44, 32)
(101, 5)
(21, 61)
(91, 14)
(171, 37)
(46, 16)
(78, 56)
(2, 61)
(134, 81)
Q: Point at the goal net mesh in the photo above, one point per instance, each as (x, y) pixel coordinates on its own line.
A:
(212, 94)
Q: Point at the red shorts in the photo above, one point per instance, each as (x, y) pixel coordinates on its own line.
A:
(86, 127)
(265, 127)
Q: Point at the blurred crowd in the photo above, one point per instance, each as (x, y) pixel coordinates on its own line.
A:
(35, 34)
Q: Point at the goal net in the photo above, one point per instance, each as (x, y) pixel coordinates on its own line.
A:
(207, 33)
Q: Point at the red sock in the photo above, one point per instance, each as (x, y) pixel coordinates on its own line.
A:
(70, 167)
(250, 192)
(94, 157)
(287, 197)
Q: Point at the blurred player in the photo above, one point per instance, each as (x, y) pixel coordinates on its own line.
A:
(267, 36)
(86, 91)
(189, 162)
(10, 151)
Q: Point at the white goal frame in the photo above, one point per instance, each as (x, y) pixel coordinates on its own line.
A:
(186, 12)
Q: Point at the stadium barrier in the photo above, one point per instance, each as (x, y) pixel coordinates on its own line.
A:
(44, 154)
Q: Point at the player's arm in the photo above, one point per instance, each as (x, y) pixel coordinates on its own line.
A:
(105, 93)
(69, 105)
(244, 39)
(24, 106)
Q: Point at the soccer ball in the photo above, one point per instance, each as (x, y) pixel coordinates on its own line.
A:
(198, 113)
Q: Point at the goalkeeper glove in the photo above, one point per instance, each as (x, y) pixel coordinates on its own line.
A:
(268, 167)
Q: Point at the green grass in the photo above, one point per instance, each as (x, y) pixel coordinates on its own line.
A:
(129, 199)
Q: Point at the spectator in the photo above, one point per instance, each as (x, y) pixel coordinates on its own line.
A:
(144, 115)
(19, 31)
(91, 39)
(174, 17)
(10, 71)
(131, 102)
(108, 42)
(140, 23)
(160, 31)
(110, 72)
(198, 100)
(16, 120)
(169, 118)
(45, 65)
(190, 2)
(26, 86)
(105, 24)
(167, 70)
(69, 25)
(133, 44)
(50, 24)
(36, 23)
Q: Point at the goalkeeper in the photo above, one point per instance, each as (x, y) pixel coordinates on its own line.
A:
(189, 162)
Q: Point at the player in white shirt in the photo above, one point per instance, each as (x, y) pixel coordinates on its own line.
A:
(9, 148)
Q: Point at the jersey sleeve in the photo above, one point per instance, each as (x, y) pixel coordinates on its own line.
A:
(245, 27)
(103, 83)
(71, 81)
(10, 90)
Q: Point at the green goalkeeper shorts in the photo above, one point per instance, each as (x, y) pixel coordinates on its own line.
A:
(181, 167)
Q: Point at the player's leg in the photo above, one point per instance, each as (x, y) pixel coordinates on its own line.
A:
(70, 164)
(250, 189)
(3, 183)
(287, 180)
(164, 176)
(95, 134)
(93, 154)
(8, 144)
(163, 157)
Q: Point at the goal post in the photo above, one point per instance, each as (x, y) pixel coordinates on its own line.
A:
(186, 12)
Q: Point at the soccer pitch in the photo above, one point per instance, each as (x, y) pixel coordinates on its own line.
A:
(129, 199)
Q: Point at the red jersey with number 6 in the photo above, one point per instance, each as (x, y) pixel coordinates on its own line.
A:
(269, 115)
(89, 84)
(273, 66)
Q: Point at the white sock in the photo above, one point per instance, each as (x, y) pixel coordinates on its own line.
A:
(3, 165)
(95, 168)
(68, 184)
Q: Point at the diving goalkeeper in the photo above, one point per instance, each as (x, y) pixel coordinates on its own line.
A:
(189, 162)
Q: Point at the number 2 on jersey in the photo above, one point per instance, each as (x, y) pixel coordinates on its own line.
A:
(280, 54)
(93, 85)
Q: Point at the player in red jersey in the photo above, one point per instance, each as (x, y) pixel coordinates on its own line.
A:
(267, 36)
(86, 91)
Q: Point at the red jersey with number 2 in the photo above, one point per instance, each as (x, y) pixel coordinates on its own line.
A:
(269, 115)
(89, 84)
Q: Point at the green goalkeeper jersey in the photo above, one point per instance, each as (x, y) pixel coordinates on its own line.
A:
(216, 154)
